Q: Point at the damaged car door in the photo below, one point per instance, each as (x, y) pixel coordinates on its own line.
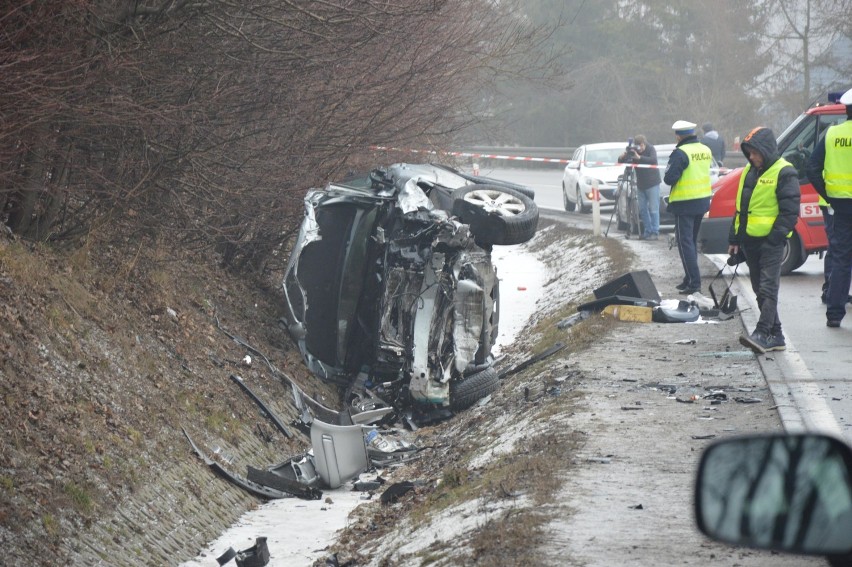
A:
(389, 294)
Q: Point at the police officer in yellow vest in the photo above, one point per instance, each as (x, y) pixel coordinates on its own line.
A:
(767, 210)
(830, 171)
(688, 174)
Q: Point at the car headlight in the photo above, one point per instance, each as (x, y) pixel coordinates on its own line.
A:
(590, 181)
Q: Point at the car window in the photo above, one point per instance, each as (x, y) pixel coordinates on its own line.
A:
(798, 147)
(605, 157)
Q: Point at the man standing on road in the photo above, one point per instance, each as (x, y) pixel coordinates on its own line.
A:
(648, 182)
(830, 172)
(713, 140)
(767, 211)
(688, 174)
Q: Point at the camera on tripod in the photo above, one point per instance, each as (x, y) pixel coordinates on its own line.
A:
(631, 147)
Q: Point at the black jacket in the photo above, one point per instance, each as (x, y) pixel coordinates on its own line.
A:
(787, 192)
(716, 144)
(646, 177)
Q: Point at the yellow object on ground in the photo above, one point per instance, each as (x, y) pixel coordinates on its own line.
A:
(635, 313)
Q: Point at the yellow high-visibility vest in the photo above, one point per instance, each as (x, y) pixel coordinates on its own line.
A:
(694, 182)
(837, 170)
(763, 205)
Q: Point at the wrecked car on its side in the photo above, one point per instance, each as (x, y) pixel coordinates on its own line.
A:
(390, 289)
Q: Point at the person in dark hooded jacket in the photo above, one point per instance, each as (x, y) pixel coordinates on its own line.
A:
(767, 210)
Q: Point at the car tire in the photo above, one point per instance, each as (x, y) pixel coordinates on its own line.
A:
(496, 215)
(464, 392)
(569, 204)
(793, 256)
(529, 192)
(581, 206)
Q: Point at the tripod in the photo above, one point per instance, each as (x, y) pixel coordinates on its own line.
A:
(626, 204)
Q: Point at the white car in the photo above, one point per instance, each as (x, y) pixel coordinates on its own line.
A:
(591, 164)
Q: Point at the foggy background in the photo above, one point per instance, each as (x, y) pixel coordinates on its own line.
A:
(199, 125)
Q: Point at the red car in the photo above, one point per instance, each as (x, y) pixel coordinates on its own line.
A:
(795, 145)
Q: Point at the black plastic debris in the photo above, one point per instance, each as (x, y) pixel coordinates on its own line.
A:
(395, 491)
(748, 400)
(366, 486)
(271, 479)
(727, 303)
(569, 322)
(708, 436)
(532, 360)
(227, 556)
(263, 407)
(251, 487)
(333, 561)
(255, 556)
(600, 460)
(685, 312)
(637, 507)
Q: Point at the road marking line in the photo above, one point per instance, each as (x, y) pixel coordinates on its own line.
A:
(809, 410)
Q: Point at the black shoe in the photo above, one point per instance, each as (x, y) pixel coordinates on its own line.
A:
(834, 323)
(776, 342)
(757, 341)
(681, 286)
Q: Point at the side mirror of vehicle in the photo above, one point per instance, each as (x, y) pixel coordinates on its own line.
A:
(790, 493)
(573, 164)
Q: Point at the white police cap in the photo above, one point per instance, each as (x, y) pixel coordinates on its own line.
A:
(846, 98)
(684, 125)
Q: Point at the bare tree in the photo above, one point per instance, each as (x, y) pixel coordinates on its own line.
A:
(205, 121)
(638, 65)
(809, 44)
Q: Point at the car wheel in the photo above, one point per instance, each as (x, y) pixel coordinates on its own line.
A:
(793, 256)
(581, 206)
(464, 392)
(496, 215)
(569, 204)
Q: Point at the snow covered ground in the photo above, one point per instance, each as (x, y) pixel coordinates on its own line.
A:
(298, 531)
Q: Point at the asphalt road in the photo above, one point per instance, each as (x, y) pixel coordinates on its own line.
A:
(815, 366)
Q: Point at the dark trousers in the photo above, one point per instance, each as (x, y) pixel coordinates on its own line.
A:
(764, 270)
(686, 233)
(840, 244)
(827, 258)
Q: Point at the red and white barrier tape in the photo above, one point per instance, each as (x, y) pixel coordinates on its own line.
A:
(516, 158)
(472, 155)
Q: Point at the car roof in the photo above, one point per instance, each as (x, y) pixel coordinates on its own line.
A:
(664, 150)
(605, 145)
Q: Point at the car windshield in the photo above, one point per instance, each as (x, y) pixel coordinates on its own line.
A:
(603, 158)
(797, 144)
